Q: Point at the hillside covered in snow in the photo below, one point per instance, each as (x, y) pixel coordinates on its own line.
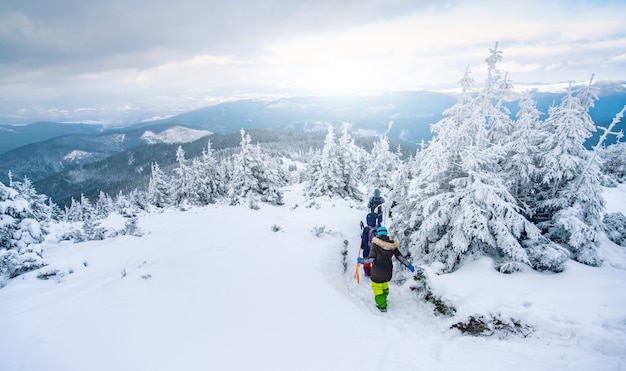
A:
(230, 288)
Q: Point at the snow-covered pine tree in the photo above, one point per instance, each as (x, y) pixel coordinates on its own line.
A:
(380, 165)
(139, 201)
(398, 192)
(273, 179)
(208, 186)
(104, 205)
(349, 155)
(254, 177)
(614, 161)
(159, 188)
(335, 171)
(325, 170)
(569, 201)
(519, 164)
(73, 213)
(92, 230)
(182, 183)
(613, 158)
(40, 206)
(20, 235)
(459, 204)
(489, 102)
(123, 206)
(432, 169)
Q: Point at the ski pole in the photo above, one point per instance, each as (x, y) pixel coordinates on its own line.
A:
(356, 271)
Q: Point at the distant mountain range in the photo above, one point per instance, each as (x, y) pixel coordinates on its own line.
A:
(48, 152)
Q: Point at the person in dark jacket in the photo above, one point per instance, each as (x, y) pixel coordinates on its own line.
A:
(376, 201)
(367, 234)
(381, 271)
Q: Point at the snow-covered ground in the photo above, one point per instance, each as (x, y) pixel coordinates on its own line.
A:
(230, 288)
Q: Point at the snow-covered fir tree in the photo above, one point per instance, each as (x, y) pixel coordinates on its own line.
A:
(460, 205)
(613, 158)
(73, 213)
(208, 185)
(349, 155)
(91, 228)
(401, 179)
(324, 168)
(335, 171)
(519, 164)
(139, 201)
(614, 161)
(569, 203)
(40, 206)
(104, 205)
(380, 165)
(159, 187)
(252, 176)
(182, 182)
(20, 235)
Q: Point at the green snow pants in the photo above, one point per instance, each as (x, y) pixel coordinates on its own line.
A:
(381, 290)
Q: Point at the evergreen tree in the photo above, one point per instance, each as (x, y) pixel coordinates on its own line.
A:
(124, 206)
(74, 213)
(519, 165)
(613, 158)
(20, 235)
(381, 164)
(253, 177)
(569, 203)
(324, 169)
(92, 230)
(159, 189)
(349, 155)
(460, 204)
(104, 205)
(207, 184)
(334, 172)
(40, 206)
(182, 182)
(614, 161)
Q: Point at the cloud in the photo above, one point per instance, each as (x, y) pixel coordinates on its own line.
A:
(156, 52)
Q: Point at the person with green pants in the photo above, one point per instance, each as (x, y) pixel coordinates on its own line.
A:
(381, 251)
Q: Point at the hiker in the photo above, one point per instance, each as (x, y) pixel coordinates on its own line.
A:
(375, 202)
(367, 234)
(381, 251)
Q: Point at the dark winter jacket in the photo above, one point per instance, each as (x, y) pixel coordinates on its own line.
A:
(381, 251)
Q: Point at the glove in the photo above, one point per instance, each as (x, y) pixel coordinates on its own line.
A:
(411, 268)
(359, 260)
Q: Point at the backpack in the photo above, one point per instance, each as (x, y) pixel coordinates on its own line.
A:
(369, 230)
(372, 219)
(370, 235)
(375, 202)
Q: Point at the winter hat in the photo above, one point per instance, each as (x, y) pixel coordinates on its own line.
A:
(377, 192)
(381, 231)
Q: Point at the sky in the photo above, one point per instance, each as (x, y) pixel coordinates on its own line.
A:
(229, 288)
(73, 58)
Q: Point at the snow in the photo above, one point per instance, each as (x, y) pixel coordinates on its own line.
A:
(216, 288)
(177, 134)
(76, 155)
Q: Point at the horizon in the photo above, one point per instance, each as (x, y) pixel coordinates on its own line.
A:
(107, 118)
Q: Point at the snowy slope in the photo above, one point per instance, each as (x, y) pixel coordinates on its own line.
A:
(216, 288)
(176, 134)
